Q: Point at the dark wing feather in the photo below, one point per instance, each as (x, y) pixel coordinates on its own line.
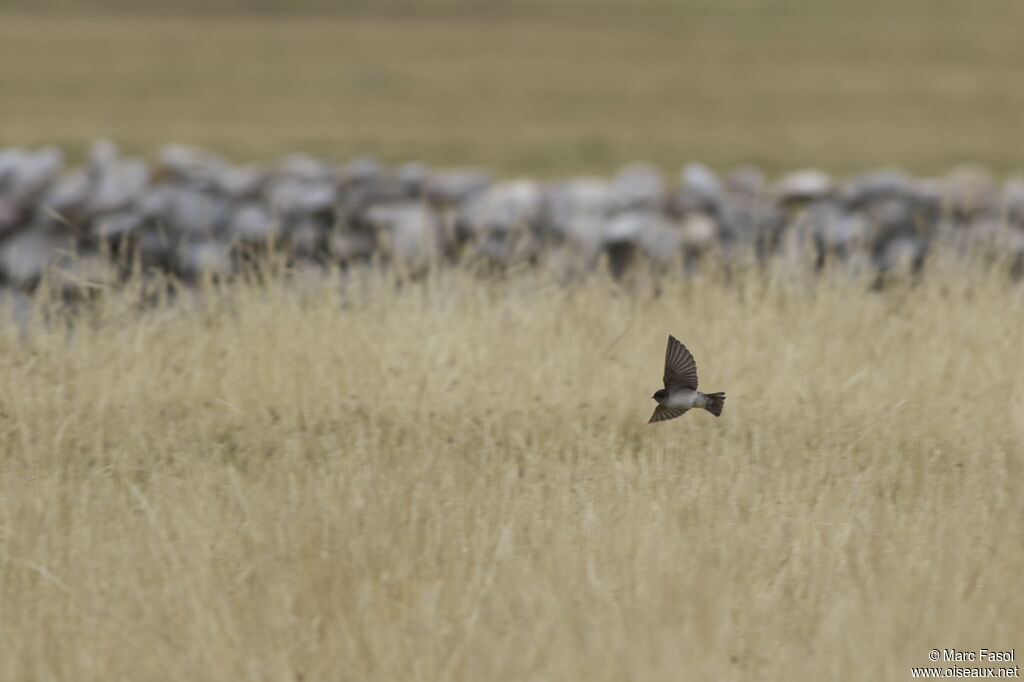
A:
(662, 413)
(680, 367)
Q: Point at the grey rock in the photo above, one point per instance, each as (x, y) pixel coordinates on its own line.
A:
(116, 225)
(804, 185)
(306, 168)
(240, 183)
(189, 210)
(698, 232)
(629, 226)
(700, 184)
(836, 230)
(24, 176)
(576, 209)
(184, 163)
(663, 239)
(969, 191)
(409, 232)
(26, 256)
(69, 194)
(288, 196)
(194, 212)
(1013, 200)
(155, 202)
(638, 185)
(363, 170)
(251, 222)
(885, 183)
(505, 206)
(452, 186)
(115, 185)
(357, 197)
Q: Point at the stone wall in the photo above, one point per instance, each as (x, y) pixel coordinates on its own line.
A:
(191, 212)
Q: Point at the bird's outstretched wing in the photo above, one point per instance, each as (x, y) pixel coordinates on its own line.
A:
(662, 413)
(680, 367)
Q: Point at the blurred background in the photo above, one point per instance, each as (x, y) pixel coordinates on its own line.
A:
(545, 88)
(410, 472)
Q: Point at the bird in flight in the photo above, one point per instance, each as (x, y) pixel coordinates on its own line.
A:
(680, 393)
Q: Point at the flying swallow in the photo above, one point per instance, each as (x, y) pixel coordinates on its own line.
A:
(680, 393)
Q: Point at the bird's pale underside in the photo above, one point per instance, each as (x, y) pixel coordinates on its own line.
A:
(680, 393)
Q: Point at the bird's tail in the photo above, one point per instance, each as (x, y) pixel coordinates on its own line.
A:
(714, 402)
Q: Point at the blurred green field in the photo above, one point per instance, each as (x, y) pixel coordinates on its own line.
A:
(544, 88)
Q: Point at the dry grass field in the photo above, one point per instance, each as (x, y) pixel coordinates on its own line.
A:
(525, 87)
(453, 480)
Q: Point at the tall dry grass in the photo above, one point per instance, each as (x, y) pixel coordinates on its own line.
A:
(453, 480)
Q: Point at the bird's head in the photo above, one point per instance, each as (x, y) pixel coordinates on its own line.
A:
(660, 395)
